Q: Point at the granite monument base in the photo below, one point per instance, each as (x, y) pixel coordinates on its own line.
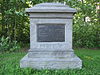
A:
(47, 60)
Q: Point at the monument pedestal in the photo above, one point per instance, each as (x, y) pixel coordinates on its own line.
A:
(51, 38)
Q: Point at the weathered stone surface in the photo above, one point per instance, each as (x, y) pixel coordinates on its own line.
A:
(51, 54)
(51, 7)
(51, 38)
(51, 63)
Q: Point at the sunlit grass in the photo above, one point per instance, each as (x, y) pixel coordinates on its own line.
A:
(9, 64)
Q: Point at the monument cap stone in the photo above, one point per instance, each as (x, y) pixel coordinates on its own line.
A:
(51, 7)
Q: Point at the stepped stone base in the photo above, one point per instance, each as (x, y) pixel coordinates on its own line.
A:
(51, 63)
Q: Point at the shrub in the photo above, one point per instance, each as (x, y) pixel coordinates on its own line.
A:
(7, 45)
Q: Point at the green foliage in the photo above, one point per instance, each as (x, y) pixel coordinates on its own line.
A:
(86, 33)
(14, 22)
(91, 65)
(8, 46)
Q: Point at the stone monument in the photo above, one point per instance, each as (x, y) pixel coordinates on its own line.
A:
(51, 38)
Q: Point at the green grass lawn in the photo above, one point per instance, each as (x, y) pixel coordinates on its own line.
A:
(9, 65)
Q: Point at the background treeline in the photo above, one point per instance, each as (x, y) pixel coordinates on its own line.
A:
(14, 22)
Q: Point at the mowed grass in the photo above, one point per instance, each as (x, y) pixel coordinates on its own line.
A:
(9, 64)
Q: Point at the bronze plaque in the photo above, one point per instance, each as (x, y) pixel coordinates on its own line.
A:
(50, 33)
